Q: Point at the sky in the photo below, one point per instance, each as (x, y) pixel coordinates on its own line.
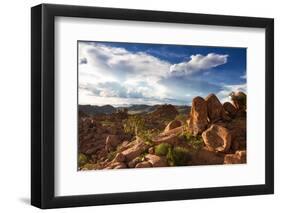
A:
(122, 74)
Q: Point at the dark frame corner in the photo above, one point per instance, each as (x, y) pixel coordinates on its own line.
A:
(42, 105)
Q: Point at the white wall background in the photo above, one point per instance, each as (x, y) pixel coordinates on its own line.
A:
(15, 105)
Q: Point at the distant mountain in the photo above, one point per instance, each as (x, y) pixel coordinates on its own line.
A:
(133, 109)
(97, 110)
(140, 108)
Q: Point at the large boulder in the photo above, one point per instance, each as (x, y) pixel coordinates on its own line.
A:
(217, 138)
(239, 100)
(156, 161)
(172, 125)
(134, 151)
(172, 139)
(229, 109)
(198, 121)
(238, 131)
(238, 158)
(214, 108)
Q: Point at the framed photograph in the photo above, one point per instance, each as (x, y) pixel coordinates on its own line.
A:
(139, 106)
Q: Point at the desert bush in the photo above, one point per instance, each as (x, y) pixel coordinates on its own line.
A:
(162, 149)
(134, 125)
(195, 141)
(181, 156)
(178, 156)
(82, 159)
(181, 117)
(148, 134)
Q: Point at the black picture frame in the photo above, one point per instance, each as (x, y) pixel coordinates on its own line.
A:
(43, 111)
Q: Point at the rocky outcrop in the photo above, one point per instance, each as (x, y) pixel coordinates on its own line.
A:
(144, 164)
(237, 158)
(172, 139)
(198, 116)
(215, 134)
(156, 161)
(134, 151)
(134, 162)
(214, 108)
(239, 100)
(217, 138)
(229, 109)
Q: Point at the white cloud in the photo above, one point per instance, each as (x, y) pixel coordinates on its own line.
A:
(111, 75)
(115, 72)
(197, 63)
(223, 95)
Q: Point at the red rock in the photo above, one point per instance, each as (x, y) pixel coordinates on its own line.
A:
(229, 109)
(151, 150)
(239, 100)
(144, 164)
(170, 139)
(238, 158)
(198, 121)
(121, 166)
(214, 108)
(134, 162)
(111, 142)
(119, 158)
(156, 161)
(217, 138)
(172, 125)
(134, 151)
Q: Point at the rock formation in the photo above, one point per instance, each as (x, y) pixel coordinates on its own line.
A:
(198, 116)
(217, 138)
(215, 133)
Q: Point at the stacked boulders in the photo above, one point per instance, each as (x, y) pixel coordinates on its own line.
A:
(222, 126)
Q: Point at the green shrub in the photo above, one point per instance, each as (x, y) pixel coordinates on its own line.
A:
(170, 157)
(134, 125)
(162, 149)
(82, 159)
(195, 141)
(148, 134)
(178, 156)
(181, 156)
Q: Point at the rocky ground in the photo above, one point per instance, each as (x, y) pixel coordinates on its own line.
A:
(212, 133)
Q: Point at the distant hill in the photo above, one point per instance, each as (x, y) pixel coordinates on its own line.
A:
(133, 109)
(97, 110)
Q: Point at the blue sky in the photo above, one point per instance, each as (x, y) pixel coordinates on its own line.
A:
(132, 73)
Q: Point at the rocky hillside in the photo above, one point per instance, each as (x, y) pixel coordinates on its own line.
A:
(212, 133)
(91, 110)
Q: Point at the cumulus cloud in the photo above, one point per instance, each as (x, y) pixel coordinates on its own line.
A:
(113, 75)
(198, 62)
